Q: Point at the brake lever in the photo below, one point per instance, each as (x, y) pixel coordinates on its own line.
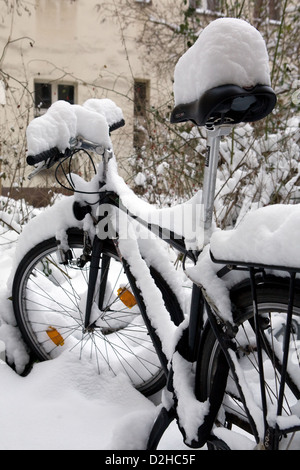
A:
(39, 167)
(75, 143)
(45, 165)
(80, 142)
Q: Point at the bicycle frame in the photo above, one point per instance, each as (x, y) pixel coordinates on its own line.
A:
(172, 239)
(191, 342)
(190, 346)
(193, 333)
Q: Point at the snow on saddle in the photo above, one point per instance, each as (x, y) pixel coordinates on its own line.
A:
(224, 77)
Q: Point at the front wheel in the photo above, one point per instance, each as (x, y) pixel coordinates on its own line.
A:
(282, 431)
(49, 302)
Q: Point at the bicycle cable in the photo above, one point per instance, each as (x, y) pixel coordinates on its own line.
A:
(68, 177)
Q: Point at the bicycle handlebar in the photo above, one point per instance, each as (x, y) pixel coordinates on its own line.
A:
(53, 155)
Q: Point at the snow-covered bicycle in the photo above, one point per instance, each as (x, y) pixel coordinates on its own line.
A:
(95, 274)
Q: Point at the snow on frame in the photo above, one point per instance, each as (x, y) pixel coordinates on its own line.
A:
(229, 51)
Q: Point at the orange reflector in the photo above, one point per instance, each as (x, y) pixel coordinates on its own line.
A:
(55, 336)
(127, 297)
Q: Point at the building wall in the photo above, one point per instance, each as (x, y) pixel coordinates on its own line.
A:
(77, 42)
(73, 42)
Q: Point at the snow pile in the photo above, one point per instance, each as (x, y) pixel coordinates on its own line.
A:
(68, 406)
(269, 235)
(228, 51)
(63, 122)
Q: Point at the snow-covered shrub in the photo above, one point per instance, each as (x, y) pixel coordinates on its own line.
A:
(168, 167)
(259, 164)
(255, 168)
(257, 171)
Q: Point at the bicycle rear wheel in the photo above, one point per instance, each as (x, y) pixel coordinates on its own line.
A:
(49, 303)
(283, 431)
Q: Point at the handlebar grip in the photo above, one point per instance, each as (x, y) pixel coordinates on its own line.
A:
(116, 125)
(53, 154)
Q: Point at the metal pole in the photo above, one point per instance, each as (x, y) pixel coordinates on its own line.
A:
(210, 175)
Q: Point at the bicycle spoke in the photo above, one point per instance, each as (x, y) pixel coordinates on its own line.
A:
(54, 300)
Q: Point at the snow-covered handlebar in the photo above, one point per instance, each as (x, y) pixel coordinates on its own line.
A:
(53, 155)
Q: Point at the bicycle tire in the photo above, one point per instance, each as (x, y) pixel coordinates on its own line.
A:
(49, 301)
(272, 297)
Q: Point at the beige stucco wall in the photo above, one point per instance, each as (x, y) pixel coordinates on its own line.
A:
(74, 42)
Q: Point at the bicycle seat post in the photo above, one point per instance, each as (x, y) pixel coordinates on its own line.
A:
(214, 136)
(106, 156)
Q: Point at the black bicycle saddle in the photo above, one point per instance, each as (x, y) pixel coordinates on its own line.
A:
(227, 104)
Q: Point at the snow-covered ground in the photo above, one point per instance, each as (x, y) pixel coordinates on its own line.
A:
(62, 404)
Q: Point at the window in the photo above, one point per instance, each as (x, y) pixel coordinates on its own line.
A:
(66, 93)
(46, 93)
(270, 7)
(211, 5)
(194, 4)
(42, 95)
(275, 9)
(140, 98)
(140, 105)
